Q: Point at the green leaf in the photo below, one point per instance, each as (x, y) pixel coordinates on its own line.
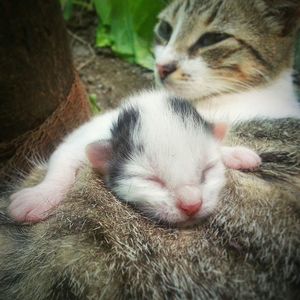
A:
(103, 37)
(93, 104)
(67, 6)
(103, 9)
(127, 27)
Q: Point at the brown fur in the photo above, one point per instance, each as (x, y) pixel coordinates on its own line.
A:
(95, 247)
(262, 44)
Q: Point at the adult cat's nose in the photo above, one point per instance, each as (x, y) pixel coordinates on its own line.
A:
(165, 70)
(189, 209)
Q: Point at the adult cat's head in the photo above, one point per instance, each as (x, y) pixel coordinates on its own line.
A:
(206, 48)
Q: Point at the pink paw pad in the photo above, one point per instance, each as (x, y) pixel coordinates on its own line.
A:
(240, 158)
(34, 204)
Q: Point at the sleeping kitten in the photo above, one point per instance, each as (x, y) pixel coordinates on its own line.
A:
(233, 59)
(155, 152)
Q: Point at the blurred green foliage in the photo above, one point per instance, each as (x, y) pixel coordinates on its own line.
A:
(127, 27)
(93, 104)
(67, 6)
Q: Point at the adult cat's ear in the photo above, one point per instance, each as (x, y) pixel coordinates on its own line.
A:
(99, 155)
(220, 130)
(285, 14)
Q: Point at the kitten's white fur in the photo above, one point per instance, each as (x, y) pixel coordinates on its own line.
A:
(32, 204)
(174, 153)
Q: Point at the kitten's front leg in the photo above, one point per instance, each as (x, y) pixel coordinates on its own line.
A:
(35, 203)
(240, 158)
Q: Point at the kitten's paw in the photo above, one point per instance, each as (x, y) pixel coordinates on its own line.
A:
(34, 204)
(240, 158)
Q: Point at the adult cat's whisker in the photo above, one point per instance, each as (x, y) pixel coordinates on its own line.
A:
(262, 74)
(236, 82)
(230, 79)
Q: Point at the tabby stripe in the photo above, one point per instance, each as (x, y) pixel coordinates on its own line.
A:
(175, 11)
(189, 6)
(228, 53)
(255, 53)
(214, 13)
(203, 8)
(221, 57)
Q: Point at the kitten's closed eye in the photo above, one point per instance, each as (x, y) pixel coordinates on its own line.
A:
(209, 167)
(157, 180)
(209, 39)
(164, 30)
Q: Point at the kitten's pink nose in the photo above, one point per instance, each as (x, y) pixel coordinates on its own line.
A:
(165, 70)
(189, 209)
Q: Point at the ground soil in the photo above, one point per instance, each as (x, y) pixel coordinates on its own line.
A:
(104, 75)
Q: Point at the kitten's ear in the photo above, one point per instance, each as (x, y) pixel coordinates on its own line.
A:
(99, 155)
(220, 130)
(286, 14)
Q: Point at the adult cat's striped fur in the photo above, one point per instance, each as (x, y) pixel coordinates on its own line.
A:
(98, 248)
(232, 58)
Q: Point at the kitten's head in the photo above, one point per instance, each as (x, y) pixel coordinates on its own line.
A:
(164, 159)
(206, 48)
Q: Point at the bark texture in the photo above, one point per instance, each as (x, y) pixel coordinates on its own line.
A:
(41, 97)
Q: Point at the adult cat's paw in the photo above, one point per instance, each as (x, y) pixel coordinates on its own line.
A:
(240, 158)
(35, 203)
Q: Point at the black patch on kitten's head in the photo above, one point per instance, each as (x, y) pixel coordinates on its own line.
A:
(188, 113)
(123, 143)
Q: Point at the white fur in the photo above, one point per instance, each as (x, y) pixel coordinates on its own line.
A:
(240, 158)
(193, 78)
(278, 99)
(177, 155)
(33, 204)
(169, 172)
(166, 55)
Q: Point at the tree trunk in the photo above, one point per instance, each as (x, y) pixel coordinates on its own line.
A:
(41, 97)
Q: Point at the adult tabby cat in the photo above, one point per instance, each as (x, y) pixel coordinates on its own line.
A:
(232, 58)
